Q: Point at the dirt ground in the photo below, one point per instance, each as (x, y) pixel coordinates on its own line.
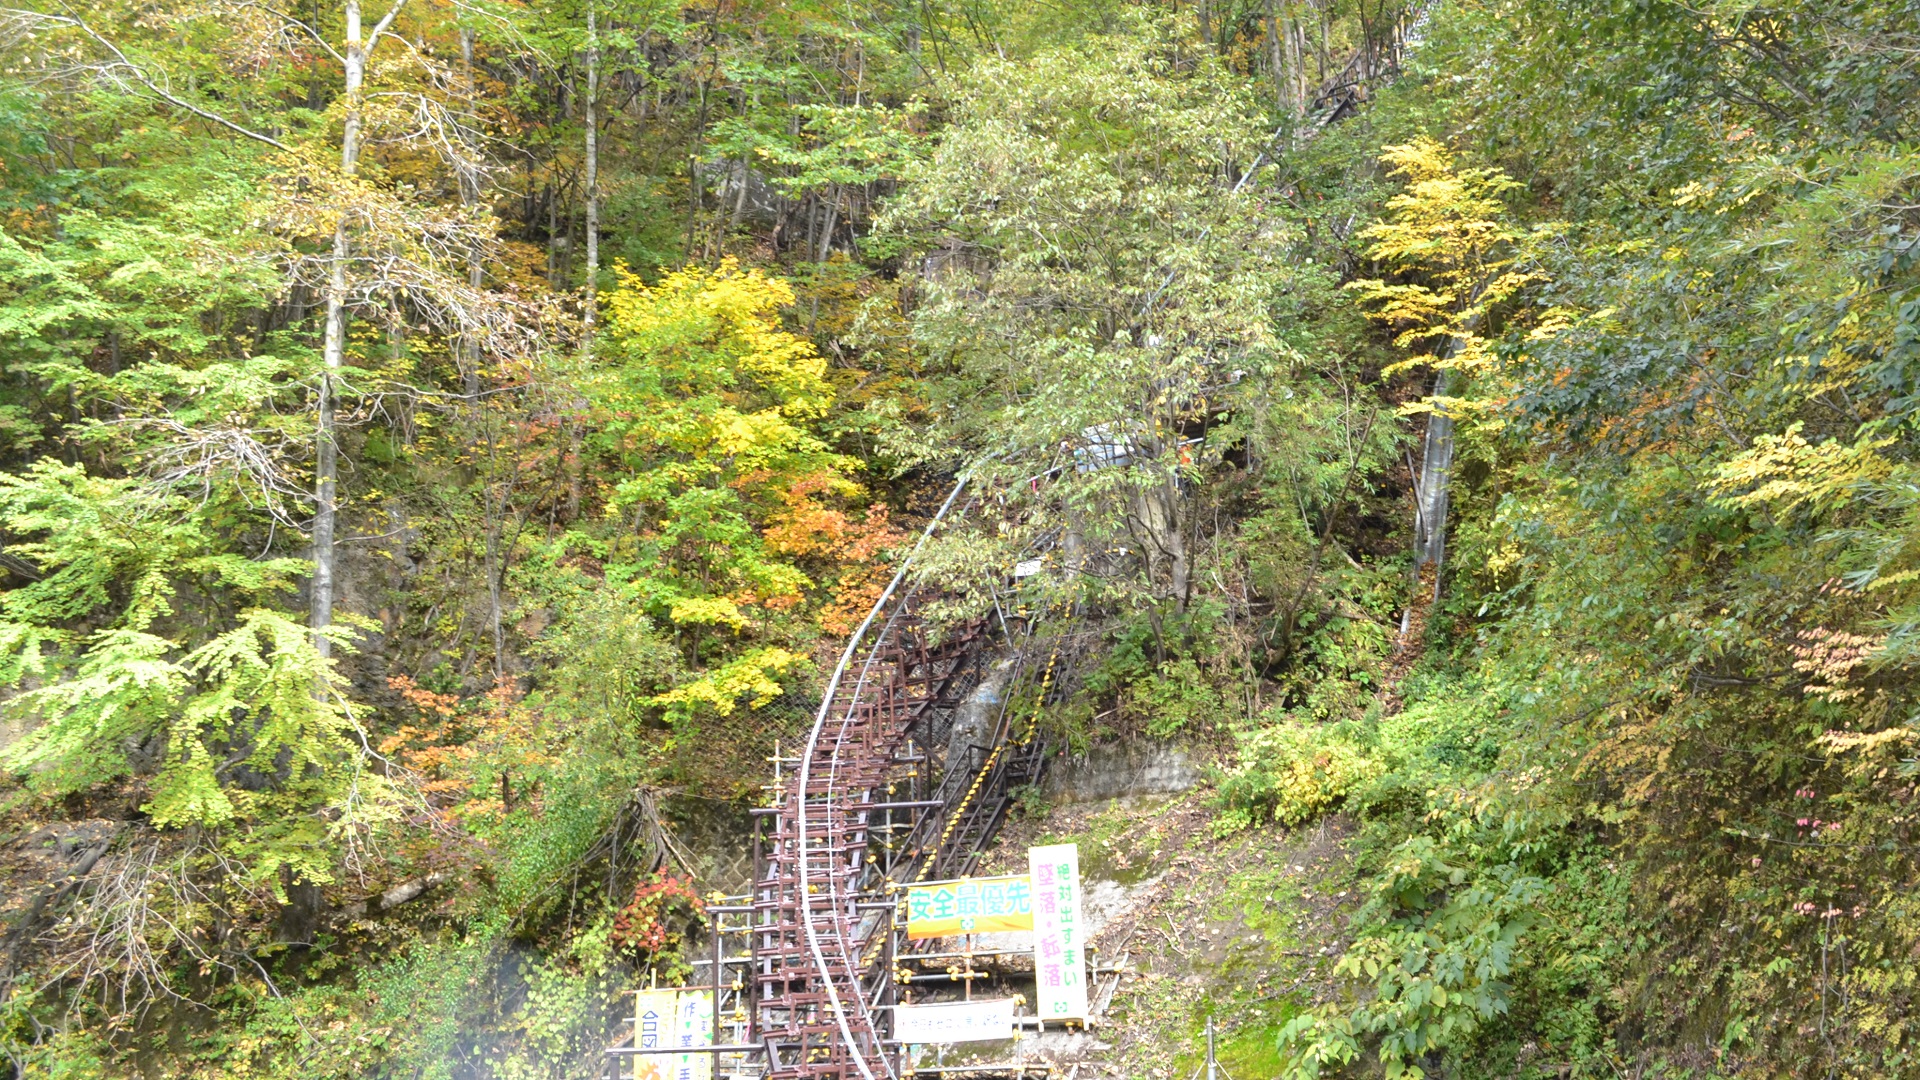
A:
(1243, 929)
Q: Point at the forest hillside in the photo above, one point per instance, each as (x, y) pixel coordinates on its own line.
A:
(445, 446)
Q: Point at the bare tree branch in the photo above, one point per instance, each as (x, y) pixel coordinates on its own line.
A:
(380, 27)
(291, 20)
(31, 19)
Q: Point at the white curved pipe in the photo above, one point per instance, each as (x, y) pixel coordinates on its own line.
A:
(806, 765)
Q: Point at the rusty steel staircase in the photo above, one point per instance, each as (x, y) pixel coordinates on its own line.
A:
(819, 890)
(856, 813)
(884, 792)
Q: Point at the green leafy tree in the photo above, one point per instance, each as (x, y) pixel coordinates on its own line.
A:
(1097, 289)
(242, 723)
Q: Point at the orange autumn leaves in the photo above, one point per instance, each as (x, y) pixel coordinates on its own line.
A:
(462, 754)
(808, 529)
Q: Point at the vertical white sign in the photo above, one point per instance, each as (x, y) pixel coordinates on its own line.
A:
(1059, 936)
(693, 1026)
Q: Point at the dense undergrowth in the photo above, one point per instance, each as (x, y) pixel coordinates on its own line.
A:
(1632, 771)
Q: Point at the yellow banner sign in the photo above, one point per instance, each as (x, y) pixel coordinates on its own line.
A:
(653, 1025)
(969, 906)
(664, 1019)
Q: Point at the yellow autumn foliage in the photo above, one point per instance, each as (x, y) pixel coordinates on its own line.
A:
(1293, 772)
(1781, 473)
(754, 677)
(1447, 227)
(727, 322)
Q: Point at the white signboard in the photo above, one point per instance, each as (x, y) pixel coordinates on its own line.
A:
(960, 1021)
(1059, 935)
(664, 1019)
(693, 1026)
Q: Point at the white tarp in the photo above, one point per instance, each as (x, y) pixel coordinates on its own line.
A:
(954, 1022)
(1059, 933)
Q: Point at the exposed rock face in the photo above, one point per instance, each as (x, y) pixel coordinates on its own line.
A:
(974, 720)
(1121, 771)
(760, 204)
(716, 838)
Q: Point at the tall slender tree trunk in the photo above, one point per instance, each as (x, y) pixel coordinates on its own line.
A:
(333, 350)
(591, 315)
(740, 195)
(1274, 62)
(326, 459)
(833, 213)
(696, 169)
(1157, 511)
(1296, 78)
(469, 356)
(593, 168)
(494, 511)
(1320, 43)
(553, 232)
(1433, 486)
(1179, 564)
(813, 225)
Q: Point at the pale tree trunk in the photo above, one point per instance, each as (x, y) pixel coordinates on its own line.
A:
(326, 465)
(1274, 61)
(1157, 510)
(1180, 569)
(553, 231)
(1320, 43)
(590, 317)
(469, 357)
(470, 371)
(696, 182)
(740, 196)
(333, 349)
(1295, 87)
(593, 167)
(826, 235)
(1433, 485)
(1284, 40)
(494, 511)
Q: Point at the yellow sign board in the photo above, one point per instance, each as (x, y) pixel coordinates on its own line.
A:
(653, 1024)
(969, 906)
(664, 1019)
